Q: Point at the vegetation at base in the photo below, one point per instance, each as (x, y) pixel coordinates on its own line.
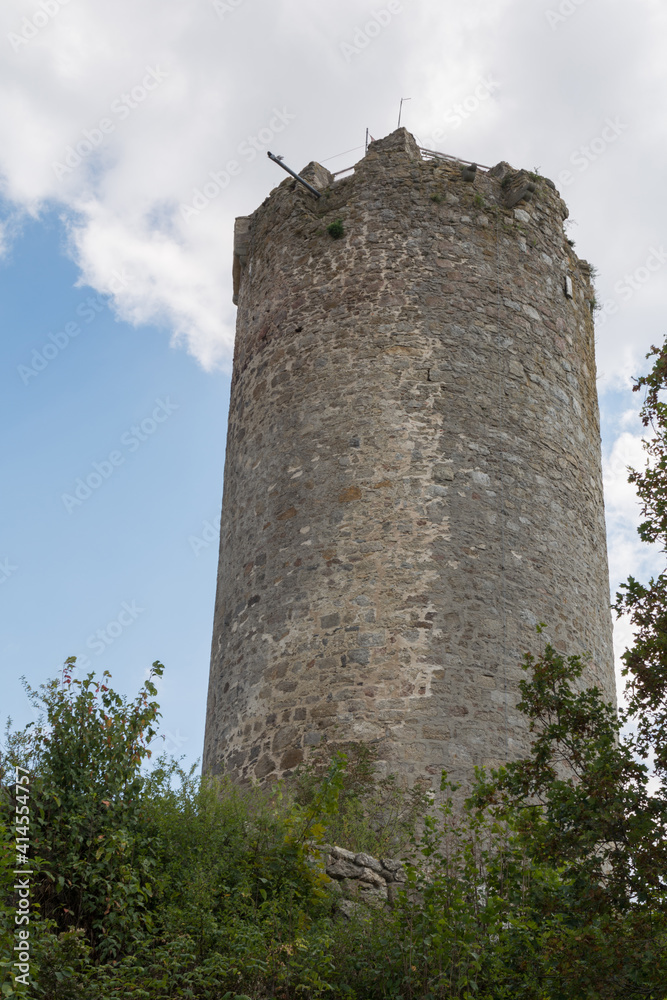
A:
(548, 883)
(372, 815)
(159, 884)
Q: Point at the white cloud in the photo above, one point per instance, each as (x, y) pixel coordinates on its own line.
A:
(227, 71)
(621, 496)
(157, 277)
(627, 553)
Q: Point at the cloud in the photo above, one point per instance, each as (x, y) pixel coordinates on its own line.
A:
(4, 239)
(115, 118)
(84, 73)
(627, 553)
(158, 277)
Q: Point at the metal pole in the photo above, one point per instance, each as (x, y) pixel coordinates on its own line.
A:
(366, 146)
(276, 159)
(400, 108)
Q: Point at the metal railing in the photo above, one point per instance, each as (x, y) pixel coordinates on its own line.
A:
(434, 154)
(345, 171)
(429, 154)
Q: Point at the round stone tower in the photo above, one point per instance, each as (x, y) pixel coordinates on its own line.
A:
(412, 479)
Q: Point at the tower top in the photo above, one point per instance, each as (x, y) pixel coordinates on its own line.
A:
(391, 157)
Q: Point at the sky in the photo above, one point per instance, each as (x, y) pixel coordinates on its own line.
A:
(131, 136)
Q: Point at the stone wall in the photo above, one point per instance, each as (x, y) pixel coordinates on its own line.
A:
(360, 877)
(412, 478)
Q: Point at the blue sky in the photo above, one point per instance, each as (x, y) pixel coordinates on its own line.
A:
(131, 135)
(133, 560)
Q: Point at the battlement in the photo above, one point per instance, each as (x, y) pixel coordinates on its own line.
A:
(456, 193)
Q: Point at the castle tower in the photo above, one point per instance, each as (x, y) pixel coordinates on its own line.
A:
(412, 479)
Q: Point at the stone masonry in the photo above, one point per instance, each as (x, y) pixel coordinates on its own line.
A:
(412, 478)
(366, 879)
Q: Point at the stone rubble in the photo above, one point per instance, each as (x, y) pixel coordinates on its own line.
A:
(360, 876)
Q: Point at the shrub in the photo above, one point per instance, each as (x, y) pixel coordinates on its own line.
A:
(541, 885)
(89, 833)
(156, 883)
(374, 815)
(335, 229)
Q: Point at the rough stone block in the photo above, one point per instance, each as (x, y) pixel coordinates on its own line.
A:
(349, 909)
(366, 861)
(344, 869)
(342, 854)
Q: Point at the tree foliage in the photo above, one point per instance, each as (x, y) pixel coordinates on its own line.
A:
(88, 818)
(547, 884)
(646, 604)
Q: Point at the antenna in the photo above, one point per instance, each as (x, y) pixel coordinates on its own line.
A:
(400, 109)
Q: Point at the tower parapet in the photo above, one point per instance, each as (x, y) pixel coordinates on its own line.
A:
(412, 478)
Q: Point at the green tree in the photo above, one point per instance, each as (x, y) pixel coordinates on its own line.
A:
(89, 838)
(155, 883)
(646, 604)
(584, 803)
(581, 810)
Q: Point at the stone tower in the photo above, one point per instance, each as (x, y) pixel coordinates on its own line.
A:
(412, 478)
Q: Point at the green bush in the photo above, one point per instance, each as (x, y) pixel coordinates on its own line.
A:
(156, 884)
(160, 884)
(90, 832)
(335, 229)
(374, 815)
